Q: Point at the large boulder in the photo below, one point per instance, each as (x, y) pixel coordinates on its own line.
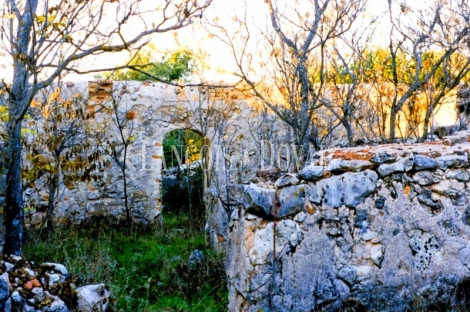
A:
(258, 200)
(93, 298)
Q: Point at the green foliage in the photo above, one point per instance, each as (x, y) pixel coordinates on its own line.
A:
(183, 143)
(145, 269)
(175, 65)
(378, 65)
(63, 141)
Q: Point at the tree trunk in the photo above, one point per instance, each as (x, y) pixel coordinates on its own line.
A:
(126, 204)
(393, 117)
(14, 193)
(50, 208)
(349, 131)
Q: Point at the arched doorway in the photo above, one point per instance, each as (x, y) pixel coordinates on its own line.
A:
(183, 175)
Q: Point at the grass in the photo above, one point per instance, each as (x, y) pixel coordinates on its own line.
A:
(145, 268)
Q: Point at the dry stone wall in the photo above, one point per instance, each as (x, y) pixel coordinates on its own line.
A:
(226, 119)
(384, 227)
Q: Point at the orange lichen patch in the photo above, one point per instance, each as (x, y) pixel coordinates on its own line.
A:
(431, 143)
(130, 115)
(220, 238)
(158, 144)
(326, 175)
(310, 208)
(432, 154)
(31, 284)
(350, 155)
(407, 189)
(156, 157)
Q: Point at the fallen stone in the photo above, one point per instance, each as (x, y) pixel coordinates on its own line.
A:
(291, 200)
(17, 299)
(196, 259)
(382, 158)
(286, 180)
(341, 165)
(38, 293)
(311, 173)
(93, 298)
(458, 174)
(57, 267)
(452, 161)
(422, 162)
(58, 306)
(426, 178)
(403, 165)
(258, 201)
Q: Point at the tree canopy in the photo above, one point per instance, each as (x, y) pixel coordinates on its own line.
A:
(172, 66)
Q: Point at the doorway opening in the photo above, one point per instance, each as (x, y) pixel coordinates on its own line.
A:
(183, 176)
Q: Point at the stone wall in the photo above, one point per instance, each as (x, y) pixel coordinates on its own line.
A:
(386, 227)
(223, 116)
(375, 225)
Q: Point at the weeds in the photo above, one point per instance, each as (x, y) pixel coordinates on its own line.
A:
(145, 268)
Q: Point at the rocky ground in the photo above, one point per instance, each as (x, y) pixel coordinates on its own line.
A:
(27, 287)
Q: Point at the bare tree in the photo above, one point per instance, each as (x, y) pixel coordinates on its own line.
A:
(291, 53)
(429, 38)
(45, 39)
(61, 151)
(117, 146)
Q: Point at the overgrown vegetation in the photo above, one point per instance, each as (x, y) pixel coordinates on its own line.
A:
(174, 65)
(182, 146)
(146, 269)
(182, 188)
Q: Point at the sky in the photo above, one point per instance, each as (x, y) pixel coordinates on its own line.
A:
(194, 37)
(218, 55)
